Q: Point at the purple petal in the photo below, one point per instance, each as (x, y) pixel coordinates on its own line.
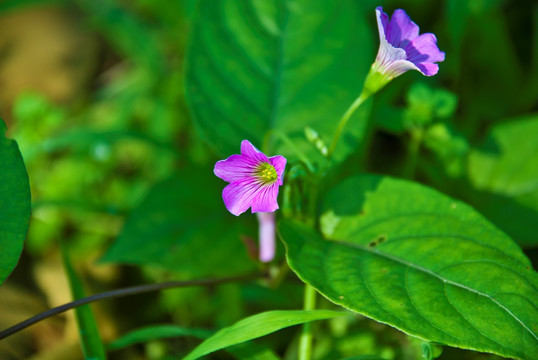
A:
(251, 152)
(265, 200)
(240, 195)
(267, 235)
(279, 162)
(401, 30)
(428, 69)
(424, 48)
(234, 168)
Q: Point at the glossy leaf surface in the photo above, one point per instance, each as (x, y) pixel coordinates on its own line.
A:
(417, 260)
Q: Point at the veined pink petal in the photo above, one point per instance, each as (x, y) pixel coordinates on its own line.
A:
(251, 152)
(265, 200)
(252, 179)
(240, 195)
(267, 235)
(279, 163)
(234, 168)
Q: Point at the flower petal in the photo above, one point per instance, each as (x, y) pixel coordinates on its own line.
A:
(267, 235)
(428, 69)
(382, 22)
(234, 168)
(240, 195)
(251, 152)
(424, 49)
(265, 199)
(279, 162)
(401, 30)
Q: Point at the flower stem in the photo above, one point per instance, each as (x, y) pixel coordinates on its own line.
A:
(305, 341)
(343, 122)
(120, 293)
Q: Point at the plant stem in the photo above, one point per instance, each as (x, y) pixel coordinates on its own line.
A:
(343, 121)
(305, 341)
(134, 290)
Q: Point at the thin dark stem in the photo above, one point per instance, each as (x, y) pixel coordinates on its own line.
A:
(134, 290)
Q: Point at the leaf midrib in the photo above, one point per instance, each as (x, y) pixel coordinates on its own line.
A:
(437, 276)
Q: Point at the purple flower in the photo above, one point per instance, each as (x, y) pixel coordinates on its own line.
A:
(402, 48)
(254, 180)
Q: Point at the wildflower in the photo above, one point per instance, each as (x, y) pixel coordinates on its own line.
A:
(401, 49)
(254, 180)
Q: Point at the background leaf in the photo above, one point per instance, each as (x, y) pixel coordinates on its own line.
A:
(183, 226)
(504, 169)
(257, 326)
(91, 343)
(410, 257)
(14, 204)
(255, 66)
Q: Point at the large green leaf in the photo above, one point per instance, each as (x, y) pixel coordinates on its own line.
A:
(505, 171)
(255, 66)
(257, 326)
(415, 259)
(92, 346)
(14, 204)
(183, 226)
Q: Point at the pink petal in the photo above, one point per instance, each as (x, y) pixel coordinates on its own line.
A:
(279, 162)
(265, 199)
(251, 152)
(240, 195)
(234, 168)
(267, 235)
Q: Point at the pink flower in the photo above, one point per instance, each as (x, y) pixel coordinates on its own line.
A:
(254, 180)
(402, 48)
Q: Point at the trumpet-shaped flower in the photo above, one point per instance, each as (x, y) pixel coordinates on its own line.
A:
(254, 180)
(401, 48)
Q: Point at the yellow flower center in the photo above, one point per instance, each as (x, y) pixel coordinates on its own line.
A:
(266, 173)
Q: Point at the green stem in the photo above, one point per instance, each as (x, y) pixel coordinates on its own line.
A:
(343, 121)
(305, 341)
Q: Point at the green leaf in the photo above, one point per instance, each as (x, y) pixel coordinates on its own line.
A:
(257, 326)
(410, 257)
(259, 66)
(92, 346)
(183, 226)
(14, 204)
(242, 351)
(505, 171)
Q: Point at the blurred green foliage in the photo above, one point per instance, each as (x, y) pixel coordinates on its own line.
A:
(108, 170)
